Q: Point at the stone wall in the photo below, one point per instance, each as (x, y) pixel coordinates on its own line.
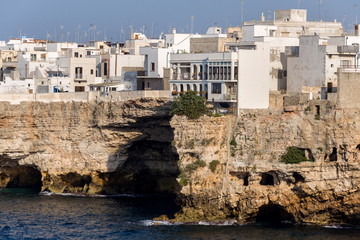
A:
(82, 96)
(348, 89)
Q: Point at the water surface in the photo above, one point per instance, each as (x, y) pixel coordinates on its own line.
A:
(25, 215)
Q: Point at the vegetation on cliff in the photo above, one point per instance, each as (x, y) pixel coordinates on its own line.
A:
(190, 105)
(294, 155)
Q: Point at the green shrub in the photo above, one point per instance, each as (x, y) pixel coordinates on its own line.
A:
(200, 163)
(317, 117)
(190, 105)
(213, 165)
(190, 144)
(233, 142)
(294, 155)
(183, 182)
(192, 167)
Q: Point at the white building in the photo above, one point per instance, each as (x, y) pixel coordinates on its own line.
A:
(239, 78)
(313, 66)
(285, 30)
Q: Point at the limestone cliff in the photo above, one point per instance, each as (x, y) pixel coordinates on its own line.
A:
(96, 147)
(231, 169)
(223, 168)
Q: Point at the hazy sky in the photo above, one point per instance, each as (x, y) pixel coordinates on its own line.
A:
(42, 18)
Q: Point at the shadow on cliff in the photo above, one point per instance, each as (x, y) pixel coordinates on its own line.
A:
(150, 167)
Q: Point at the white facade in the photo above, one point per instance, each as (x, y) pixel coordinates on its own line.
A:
(253, 83)
(178, 42)
(9, 86)
(315, 65)
(240, 77)
(155, 60)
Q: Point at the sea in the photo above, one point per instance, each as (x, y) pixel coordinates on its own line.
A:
(28, 215)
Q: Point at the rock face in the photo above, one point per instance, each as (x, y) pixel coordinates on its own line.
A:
(222, 168)
(92, 148)
(231, 168)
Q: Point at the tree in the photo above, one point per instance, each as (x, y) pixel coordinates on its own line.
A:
(190, 105)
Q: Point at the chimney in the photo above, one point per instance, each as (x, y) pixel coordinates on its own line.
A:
(357, 32)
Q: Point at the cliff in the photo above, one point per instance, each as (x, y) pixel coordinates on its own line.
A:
(231, 169)
(91, 148)
(221, 168)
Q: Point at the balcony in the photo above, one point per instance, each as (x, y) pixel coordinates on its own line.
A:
(80, 78)
(354, 49)
(230, 97)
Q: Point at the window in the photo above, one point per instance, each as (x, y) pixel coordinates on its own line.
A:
(345, 63)
(89, 53)
(79, 89)
(105, 69)
(216, 88)
(153, 67)
(78, 73)
(92, 71)
(33, 57)
(76, 54)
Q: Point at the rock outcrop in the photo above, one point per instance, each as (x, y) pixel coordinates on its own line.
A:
(222, 168)
(231, 168)
(91, 148)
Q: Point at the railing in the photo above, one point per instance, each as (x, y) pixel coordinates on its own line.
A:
(230, 96)
(350, 68)
(79, 76)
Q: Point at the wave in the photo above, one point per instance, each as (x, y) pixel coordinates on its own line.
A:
(87, 195)
(200, 223)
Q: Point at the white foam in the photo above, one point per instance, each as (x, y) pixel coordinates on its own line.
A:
(225, 223)
(85, 195)
(201, 223)
(156, 223)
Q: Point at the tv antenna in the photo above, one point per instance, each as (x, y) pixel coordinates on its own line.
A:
(192, 24)
(320, 3)
(242, 11)
(298, 4)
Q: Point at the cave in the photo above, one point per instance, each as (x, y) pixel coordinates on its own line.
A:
(269, 179)
(333, 156)
(298, 177)
(358, 147)
(151, 168)
(244, 176)
(21, 177)
(273, 214)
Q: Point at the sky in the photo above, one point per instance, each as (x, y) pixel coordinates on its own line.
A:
(113, 20)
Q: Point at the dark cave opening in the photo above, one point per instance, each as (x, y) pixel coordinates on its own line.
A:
(244, 176)
(21, 177)
(269, 179)
(273, 214)
(333, 156)
(151, 168)
(298, 177)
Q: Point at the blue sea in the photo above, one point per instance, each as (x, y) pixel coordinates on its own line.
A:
(27, 215)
